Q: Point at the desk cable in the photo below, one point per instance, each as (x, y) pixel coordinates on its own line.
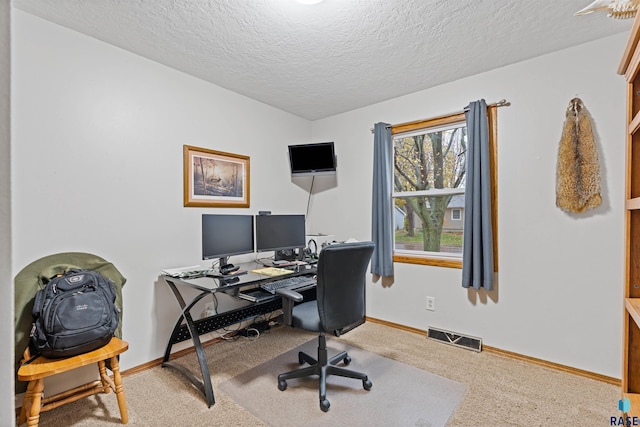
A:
(254, 331)
(313, 178)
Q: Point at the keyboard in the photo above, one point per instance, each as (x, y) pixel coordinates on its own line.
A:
(292, 283)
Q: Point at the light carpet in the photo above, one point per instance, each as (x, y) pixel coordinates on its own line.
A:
(501, 391)
(401, 395)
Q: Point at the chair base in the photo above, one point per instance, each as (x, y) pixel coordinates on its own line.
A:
(323, 367)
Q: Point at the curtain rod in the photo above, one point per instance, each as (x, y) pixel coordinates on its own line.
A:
(501, 103)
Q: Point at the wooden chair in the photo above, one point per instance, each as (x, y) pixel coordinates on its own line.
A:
(40, 368)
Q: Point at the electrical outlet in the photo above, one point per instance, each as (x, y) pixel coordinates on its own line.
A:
(431, 304)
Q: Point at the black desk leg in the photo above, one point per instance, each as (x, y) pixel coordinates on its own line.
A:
(203, 385)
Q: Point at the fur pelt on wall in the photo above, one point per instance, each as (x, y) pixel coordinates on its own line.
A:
(578, 169)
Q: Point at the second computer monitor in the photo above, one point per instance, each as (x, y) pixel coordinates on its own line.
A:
(280, 232)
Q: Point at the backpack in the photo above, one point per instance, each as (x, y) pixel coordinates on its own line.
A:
(73, 314)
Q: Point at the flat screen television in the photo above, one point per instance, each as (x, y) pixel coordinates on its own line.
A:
(280, 232)
(226, 235)
(312, 159)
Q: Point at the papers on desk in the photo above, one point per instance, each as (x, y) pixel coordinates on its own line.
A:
(272, 271)
(182, 272)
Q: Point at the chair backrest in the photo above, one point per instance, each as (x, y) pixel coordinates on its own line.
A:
(341, 280)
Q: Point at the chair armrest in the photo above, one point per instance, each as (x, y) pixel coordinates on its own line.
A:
(289, 294)
(289, 298)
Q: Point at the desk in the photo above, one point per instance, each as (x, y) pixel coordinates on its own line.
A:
(187, 328)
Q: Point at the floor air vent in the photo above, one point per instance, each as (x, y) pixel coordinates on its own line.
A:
(453, 338)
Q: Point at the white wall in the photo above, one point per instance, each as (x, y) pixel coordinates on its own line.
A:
(97, 156)
(6, 303)
(560, 279)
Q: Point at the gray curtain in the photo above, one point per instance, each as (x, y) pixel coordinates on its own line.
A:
(477, 252)
(381, 219)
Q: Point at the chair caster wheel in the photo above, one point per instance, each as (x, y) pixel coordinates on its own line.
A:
(324, 405)
(367, 384)
(347, 360)
(282, 385)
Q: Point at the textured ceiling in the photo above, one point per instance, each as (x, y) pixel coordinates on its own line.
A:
(319, 60)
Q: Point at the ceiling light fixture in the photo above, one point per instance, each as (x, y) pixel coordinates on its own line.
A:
(308, 1)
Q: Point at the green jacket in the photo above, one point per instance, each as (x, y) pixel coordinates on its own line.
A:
(33, 277)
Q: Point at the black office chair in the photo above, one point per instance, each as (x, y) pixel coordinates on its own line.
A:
(340, 305)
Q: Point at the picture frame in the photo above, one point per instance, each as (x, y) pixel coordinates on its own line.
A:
(215, 178)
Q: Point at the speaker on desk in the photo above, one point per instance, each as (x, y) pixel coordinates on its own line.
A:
(287, 254)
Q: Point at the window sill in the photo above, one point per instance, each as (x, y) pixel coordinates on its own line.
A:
(423, 260)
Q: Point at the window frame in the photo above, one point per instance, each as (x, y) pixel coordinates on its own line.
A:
(459, 211)
(448, 261)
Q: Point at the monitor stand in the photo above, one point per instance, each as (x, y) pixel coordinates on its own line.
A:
(226, 268)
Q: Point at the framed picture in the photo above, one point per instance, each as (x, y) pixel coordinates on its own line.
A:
(215, 179)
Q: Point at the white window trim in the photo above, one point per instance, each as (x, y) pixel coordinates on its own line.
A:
(455, 256)
(432, 192)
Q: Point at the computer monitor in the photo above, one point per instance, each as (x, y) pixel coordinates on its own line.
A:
(226, 235)
(280, 232)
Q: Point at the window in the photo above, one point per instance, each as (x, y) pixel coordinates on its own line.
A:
(429, 159)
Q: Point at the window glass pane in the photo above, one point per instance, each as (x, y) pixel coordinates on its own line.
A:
(430, 160)
(423, 224)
